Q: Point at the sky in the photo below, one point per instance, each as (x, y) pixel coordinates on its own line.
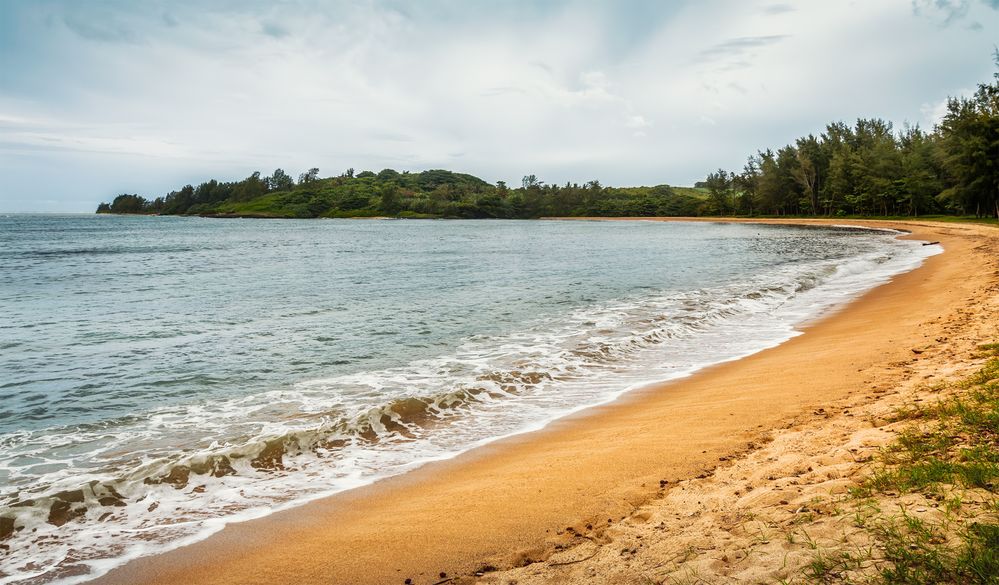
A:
(102, 97)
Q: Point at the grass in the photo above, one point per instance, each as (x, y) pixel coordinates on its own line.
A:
(271, 204)
(948, 456)
(955, 442)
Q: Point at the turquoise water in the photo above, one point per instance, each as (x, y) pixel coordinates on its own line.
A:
(161, 376)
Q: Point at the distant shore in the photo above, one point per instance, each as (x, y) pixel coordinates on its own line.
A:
(590, 483)
(789, 220)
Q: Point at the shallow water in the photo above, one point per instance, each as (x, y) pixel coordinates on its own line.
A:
(161, 376)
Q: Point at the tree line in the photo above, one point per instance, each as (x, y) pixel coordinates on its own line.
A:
(868, 168)
(433, 193)
(872, 169)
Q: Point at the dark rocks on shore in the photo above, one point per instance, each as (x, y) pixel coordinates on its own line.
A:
(178, 477)
(271, 458)
(62, 512)
(216, 466)
(6, 527)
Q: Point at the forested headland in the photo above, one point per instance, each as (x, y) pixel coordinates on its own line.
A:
(429, 194)
(869, 168)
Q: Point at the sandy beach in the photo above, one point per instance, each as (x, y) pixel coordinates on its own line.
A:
(663, 482)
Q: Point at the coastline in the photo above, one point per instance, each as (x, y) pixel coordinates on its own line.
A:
(509, 502)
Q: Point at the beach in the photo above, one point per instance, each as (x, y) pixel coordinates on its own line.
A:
(660, 470)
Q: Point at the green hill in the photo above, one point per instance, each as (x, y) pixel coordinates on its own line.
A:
(428, 194)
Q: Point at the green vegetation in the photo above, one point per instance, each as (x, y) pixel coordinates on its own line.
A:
(430, 194)
(947, 458)
(864, 170)
(958, 445)
(870, 170)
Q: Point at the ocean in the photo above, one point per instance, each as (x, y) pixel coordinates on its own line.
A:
(163, 376)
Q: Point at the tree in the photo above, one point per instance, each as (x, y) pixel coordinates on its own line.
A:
(788, 190)
(280, 181)
(719, 185)
(969, 137)
(768, 184)
(388, 175)
(310, 176)
(837, 142)
(209, 192)
(806, 173)
(249, 188)
(389, 202)
(178, 202)
(747, 185)
(127, 204)
(921, 178)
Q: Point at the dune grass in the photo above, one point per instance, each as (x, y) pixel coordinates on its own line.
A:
(947, 455)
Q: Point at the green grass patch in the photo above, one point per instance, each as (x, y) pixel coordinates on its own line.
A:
(955, 442)
(917, 552)
(949, 453)
(268, 205)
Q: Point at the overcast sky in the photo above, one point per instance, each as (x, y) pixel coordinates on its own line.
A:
(109, 96)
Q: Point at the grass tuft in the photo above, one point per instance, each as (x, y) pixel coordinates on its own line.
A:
(948, 456)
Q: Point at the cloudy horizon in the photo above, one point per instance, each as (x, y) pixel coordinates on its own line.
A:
(111, 96)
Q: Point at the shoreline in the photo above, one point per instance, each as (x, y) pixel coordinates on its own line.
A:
(473, 510)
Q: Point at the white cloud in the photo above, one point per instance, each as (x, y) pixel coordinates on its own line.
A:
(637, 122)
(566, 91)
(933, 113)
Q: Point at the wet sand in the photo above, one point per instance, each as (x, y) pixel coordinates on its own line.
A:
(510, 503)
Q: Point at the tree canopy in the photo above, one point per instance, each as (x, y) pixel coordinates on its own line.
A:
(432, 193)
(871, 168)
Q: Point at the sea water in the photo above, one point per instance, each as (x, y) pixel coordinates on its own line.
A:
(162, 376)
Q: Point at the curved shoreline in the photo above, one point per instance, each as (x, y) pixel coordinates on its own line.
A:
(459, 515)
